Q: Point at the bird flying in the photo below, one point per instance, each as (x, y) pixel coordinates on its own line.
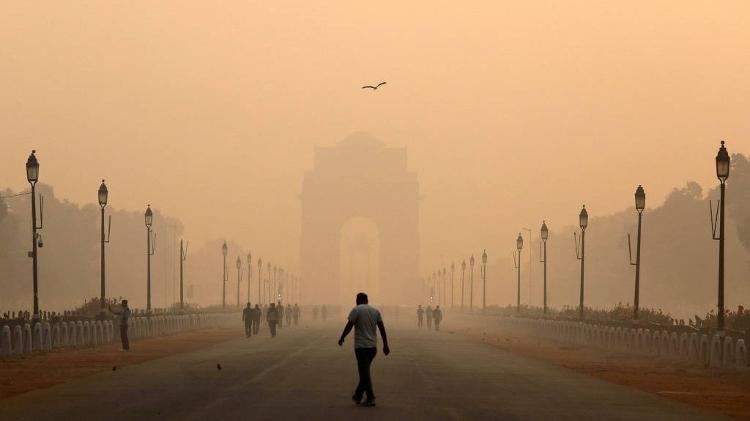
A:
(373, 87)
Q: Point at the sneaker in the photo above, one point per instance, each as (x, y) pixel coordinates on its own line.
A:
(356, 400)
(369, 402)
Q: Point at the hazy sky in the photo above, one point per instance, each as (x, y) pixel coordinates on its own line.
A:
(511, 111)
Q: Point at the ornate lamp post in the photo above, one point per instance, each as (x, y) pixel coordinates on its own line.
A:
(640, 205)
(544, 233)
(453, 290)
(270, 285)
(274, 284)
(239, 278)
(484, 280)
(583, 222)
(183, 257)
(722, 173)
(103, 195)
(249, 274)
(444, 296)
(519, 247)
(224, 277)
(463, 275)
(260, 279)
(148, 218)
(32, 176)
(471, 283)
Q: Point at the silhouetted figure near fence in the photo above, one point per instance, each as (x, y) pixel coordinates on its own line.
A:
(420, 315)
(256, 319)
(247, 317)
(272, 317)
(296, 314)
(437, 314)
(364, 318)
(124, 314)
(428, 315)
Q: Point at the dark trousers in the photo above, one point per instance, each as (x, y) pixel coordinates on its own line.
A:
(272, 325)
(437, 324)
(124, 337)
(256, 326)
(364, 360)
(248, 328)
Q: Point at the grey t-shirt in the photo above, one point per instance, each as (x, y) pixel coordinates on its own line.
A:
(365, 319)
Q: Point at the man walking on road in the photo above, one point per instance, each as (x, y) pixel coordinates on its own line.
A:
(256, 319)
(420, 315)
(428, 314)
(364, 318)
(437, 314)
(247, 317)
(272, 316)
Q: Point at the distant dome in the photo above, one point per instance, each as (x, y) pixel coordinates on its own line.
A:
(361, 140)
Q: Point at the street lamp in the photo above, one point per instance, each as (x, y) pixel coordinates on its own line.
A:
(274, 285)
(444, 295)
(471, 283)
(239, 278)
(260, 279)
(148, 218)
(32, 176)
(484, 280)
(583, 222)
(544, 233)
(224, 250)
(519, 247)
(103, 195)
(722, 173)
(453, 290)
(268, 290)
(463, 290)
(249, 274)
(640, 205)
(183, 257)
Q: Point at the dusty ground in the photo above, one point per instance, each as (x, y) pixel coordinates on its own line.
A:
(725, 391)
(29, 372)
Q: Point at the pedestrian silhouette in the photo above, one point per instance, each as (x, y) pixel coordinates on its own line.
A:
(364, 319)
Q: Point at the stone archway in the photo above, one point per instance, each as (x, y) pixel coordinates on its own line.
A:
(360, 177)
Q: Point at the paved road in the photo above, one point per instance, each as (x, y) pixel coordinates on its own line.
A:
(302, 374)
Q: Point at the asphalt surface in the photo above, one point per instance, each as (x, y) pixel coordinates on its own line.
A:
(302, 374)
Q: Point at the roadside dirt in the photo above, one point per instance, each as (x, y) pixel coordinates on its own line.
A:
(37, 371)
(727, 392)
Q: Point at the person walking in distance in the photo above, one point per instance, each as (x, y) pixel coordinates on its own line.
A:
(428, 314)
(272, 317)
(124, 314)
(247, 317)
(420, 315)
(280, 310)
(437, 314)
(296, 314)
(256, 319)
(288, 314)
(364, 318)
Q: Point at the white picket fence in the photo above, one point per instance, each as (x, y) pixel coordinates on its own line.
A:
(44, 336)
(710, 350)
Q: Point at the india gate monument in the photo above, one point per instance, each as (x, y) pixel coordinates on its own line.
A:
(360, 224)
